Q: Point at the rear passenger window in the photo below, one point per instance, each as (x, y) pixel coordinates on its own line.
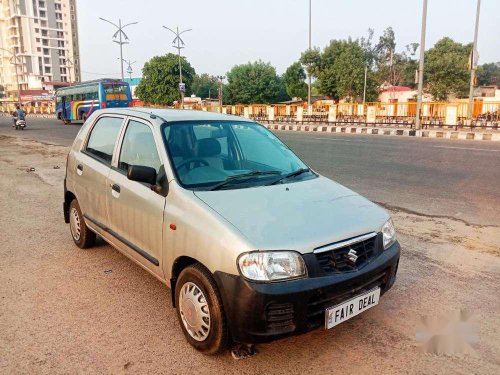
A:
(139, 147)
(103, 137)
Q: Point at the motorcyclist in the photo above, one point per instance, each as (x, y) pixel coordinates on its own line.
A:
(19, 114)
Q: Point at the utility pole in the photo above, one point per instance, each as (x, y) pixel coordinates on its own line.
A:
(310, 46)
(178, 43)
(364, 87)
(473, 63)
(120, 34)
(418, 124)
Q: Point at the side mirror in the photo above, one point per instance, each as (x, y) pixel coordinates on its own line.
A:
(161, 186)
(142, 173)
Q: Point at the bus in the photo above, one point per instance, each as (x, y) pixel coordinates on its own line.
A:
(77, 102)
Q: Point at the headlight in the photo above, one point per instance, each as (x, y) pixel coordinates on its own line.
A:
(271, 265)
(388, 233)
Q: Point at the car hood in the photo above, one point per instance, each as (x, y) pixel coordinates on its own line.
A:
(297, 216)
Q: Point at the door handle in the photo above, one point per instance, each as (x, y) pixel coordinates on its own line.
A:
(79, 167)
(115, 187)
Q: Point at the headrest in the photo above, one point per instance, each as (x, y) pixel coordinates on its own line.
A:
(207, 147)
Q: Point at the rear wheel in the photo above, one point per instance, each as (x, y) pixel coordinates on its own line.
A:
(200, 311)
(82, 235)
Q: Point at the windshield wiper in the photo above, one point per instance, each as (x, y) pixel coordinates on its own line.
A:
(291, 174)
(242, 176)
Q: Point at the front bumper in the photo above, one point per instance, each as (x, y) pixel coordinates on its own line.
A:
(263, 312)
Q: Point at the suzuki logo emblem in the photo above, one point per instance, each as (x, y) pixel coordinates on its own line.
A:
(352, 255)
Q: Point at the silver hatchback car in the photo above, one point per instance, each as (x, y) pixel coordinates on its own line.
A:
(253, 243)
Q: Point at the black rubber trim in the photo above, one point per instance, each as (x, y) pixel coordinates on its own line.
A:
(137, 249)
(116, 187)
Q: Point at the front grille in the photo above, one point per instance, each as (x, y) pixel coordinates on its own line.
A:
(319, 302)
(279, 318)
(337, 261)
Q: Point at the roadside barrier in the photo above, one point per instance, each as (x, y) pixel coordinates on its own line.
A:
(439, 116)
(443, 134)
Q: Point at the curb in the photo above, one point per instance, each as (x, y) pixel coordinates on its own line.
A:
(443, 134)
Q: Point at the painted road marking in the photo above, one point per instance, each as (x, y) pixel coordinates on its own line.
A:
(341, 140)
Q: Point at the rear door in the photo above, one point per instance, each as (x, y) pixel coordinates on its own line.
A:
(92, 166)
(135, 211)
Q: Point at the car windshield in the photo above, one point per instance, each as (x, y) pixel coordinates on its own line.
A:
(213, 155)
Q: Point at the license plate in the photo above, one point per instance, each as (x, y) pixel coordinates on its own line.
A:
(346, 310)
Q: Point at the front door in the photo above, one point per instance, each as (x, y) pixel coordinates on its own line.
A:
(135, 211)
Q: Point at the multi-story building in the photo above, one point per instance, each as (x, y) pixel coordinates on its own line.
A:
(38, 44)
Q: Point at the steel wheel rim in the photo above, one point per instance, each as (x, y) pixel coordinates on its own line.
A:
(74, 224)
(194, 311)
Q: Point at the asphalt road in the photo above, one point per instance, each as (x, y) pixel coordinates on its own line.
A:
(456, 179)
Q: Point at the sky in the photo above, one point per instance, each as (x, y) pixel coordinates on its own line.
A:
(230, 32)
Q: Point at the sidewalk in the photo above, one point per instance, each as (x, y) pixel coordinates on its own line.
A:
(477, 134)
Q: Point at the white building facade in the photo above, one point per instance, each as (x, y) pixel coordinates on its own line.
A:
(42, 36)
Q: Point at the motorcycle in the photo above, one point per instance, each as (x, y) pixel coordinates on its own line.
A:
(20, 124)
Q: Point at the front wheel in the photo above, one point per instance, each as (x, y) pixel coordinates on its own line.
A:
(200, 311)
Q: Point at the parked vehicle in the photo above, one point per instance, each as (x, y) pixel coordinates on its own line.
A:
(78, 102)
(253, 243)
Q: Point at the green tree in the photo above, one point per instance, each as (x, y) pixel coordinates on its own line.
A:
(255, 82)
(311, 59)
(160, 79)
(340, 69)
(294, 82)
(446, 69)
(393, 68)
(488, 74)
(204, 86)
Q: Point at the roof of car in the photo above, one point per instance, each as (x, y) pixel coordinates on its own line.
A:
(170, 115)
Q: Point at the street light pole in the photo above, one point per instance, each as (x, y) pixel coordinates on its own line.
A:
(129, 67)
(418, 124)
(473, 63)
(178, 43)
(219, 81)
(309, 85)
(120, 34)
(14, 61)
(364, 87)
(14, 56)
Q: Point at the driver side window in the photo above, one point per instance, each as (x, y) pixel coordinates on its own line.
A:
(139, 147)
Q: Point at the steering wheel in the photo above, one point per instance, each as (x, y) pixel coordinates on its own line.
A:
(188, 162)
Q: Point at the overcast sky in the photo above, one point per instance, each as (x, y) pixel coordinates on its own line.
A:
(229, 32)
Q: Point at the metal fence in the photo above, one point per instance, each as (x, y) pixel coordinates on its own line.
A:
(485, 114)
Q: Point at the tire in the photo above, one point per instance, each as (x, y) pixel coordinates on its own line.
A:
(80, 232)
(216, 338)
